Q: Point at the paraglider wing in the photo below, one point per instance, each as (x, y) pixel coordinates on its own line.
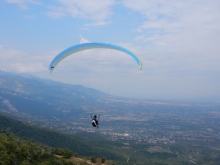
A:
(76, 48)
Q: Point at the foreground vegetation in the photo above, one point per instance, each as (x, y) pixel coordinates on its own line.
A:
(17, 151)
(85, 147)
(12, 130)
(95, 148)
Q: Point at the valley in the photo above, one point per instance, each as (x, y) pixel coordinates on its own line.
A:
(134, 130)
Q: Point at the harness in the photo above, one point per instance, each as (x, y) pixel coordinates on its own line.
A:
(95, 121)
(94, 124)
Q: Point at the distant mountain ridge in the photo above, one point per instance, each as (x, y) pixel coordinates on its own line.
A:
(29, 94)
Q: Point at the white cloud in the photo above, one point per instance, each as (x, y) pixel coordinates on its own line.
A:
(181, 41)
(23, 4)
(18, 61)
(97, 10)
(178, 45)
(154, 10)
(56, 12)
(83, 40)
(98, 23)
(185, 33)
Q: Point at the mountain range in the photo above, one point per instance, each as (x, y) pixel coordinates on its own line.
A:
(20, 93)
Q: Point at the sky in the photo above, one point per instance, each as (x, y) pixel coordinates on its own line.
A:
(177, 41)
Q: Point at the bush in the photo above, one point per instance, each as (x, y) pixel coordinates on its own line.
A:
(63, 152)
(103, 160)
(93, 160)
(67, 153)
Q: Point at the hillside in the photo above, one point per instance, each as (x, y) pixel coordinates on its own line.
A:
(131, 131)
(16, 150)
(46, 101)
(42, 97)
(119, 152)
(80, 146)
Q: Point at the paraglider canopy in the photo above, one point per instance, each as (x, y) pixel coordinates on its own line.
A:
(80, 47)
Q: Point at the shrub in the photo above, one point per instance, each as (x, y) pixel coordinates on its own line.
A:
(93, 160)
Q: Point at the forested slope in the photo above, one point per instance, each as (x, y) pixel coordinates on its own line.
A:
(78, 145)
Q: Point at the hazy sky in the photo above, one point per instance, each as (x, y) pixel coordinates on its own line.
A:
(178, 42)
